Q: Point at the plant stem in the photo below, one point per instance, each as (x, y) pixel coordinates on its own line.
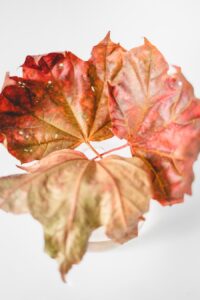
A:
(111, 150)
(94, 150)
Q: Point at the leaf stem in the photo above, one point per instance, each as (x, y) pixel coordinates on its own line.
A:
(94, 150)
(111, 150)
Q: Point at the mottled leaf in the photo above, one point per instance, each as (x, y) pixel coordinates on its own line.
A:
(160, 117)
(105, 62)
(41, 115)
(60, 102)
(71, 196)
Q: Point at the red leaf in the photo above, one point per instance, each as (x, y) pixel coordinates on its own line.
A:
(60, 102)
(160, 116)
(106, 60)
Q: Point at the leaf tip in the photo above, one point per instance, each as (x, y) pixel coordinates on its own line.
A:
(63, 269)
(108, 34)
(147, 43)
(107, 38)
(63, 277)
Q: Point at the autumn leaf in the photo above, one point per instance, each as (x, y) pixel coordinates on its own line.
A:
(160, 117)
(60, 102)
(71, 196)
(105, 62)
(41, 115)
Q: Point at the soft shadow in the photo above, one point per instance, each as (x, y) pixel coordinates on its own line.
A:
(169, 222)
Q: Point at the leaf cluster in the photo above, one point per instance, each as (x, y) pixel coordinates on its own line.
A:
(62, 101)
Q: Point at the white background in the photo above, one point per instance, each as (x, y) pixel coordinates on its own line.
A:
(164, 262)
